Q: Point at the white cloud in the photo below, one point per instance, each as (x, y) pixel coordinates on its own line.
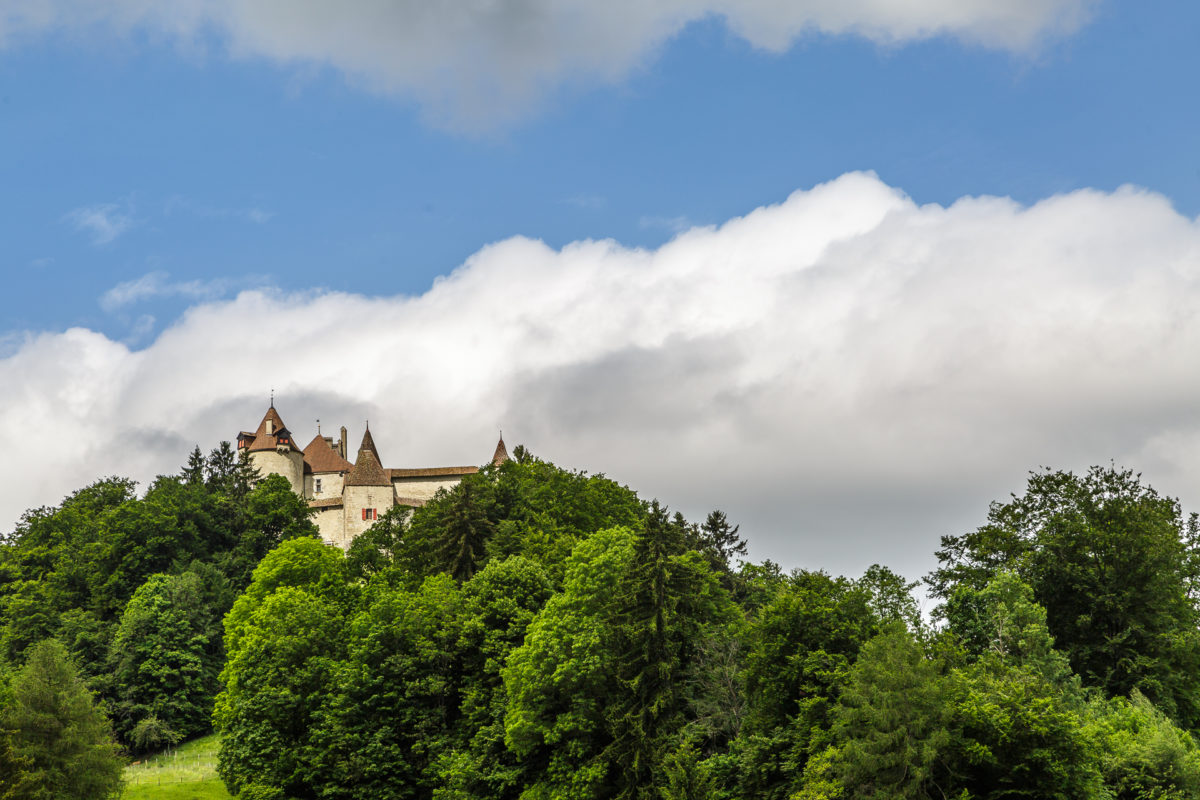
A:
(104, 222)
(159, 284)
(848, 374)
(477, 63)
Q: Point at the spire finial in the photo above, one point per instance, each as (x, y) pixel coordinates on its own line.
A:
(318, 427)
(272, 398)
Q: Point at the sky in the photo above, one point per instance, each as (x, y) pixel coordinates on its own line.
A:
(845, 270)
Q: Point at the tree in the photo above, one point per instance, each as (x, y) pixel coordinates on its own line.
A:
(394, 716)
(799, 653)
(560, 680)
(465, 530)
(166, 656)
(721, 539)
(498, 605)
(271, 514)
(193, 473)
(282, 671)
(1145, 755)
(1114, 564)
(286, 644)
(1017, 712)
(889, 725)
(60, 739)
(599, 692)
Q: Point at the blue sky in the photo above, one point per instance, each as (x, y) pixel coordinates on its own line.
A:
(249, 171)
(173, 174)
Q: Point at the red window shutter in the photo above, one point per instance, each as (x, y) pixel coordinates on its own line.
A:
(364, 513)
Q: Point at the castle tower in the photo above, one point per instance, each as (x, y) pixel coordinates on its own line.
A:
(368, 492)
(274, 451)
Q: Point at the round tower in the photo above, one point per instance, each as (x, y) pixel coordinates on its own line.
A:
(274, 451)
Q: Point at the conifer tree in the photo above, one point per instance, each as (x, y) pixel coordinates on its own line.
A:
(193, 473)
(61, 740)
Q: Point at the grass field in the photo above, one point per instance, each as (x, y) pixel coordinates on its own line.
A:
(189, 773)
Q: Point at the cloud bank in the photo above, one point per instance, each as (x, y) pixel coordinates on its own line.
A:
(847, 374)
(480, 63)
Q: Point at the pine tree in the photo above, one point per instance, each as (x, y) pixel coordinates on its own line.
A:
(63, 739)
(193, 473)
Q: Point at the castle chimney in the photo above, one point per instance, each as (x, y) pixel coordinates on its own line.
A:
(342, 443)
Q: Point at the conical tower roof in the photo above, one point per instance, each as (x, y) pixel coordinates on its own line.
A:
(367, 470)
(279, 433)
(501, 454)
(368, 443)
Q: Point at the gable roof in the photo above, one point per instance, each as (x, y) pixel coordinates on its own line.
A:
(367, 471)
(269, 441)
(320, 457)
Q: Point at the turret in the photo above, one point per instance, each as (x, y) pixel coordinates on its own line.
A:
(368, 493)
(274, 451)
(501, 454)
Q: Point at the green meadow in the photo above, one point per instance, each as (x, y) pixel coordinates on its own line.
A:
(186, 773)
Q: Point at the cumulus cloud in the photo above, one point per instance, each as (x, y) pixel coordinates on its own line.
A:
(480, 62)
(104, 222)
(847, 373)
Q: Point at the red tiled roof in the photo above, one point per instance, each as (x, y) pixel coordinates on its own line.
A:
(430, 472)
(269, 441)
(320, 457)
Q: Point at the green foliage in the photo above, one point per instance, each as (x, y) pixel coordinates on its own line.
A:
(167, 654)
(61, 742)
(523, 507)
(282, 669)
(285, 643)
(151, 734)
(800, 650)
(1012, 723)
(890, 725)
(685, 776)
(393, 718)
(598, 694)
(558, 683)
(72, 573)
(1143, 755)
(1115, 566)
(536, 633)
(499, 604)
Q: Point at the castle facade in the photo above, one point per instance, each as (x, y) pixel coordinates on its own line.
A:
(346, 498)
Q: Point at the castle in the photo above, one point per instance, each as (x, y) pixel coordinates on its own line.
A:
(346, 498)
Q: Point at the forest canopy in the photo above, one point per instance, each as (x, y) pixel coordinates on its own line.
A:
(539, 633)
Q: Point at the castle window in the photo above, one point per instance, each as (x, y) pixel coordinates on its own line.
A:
(369, 514)
(317, 485)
